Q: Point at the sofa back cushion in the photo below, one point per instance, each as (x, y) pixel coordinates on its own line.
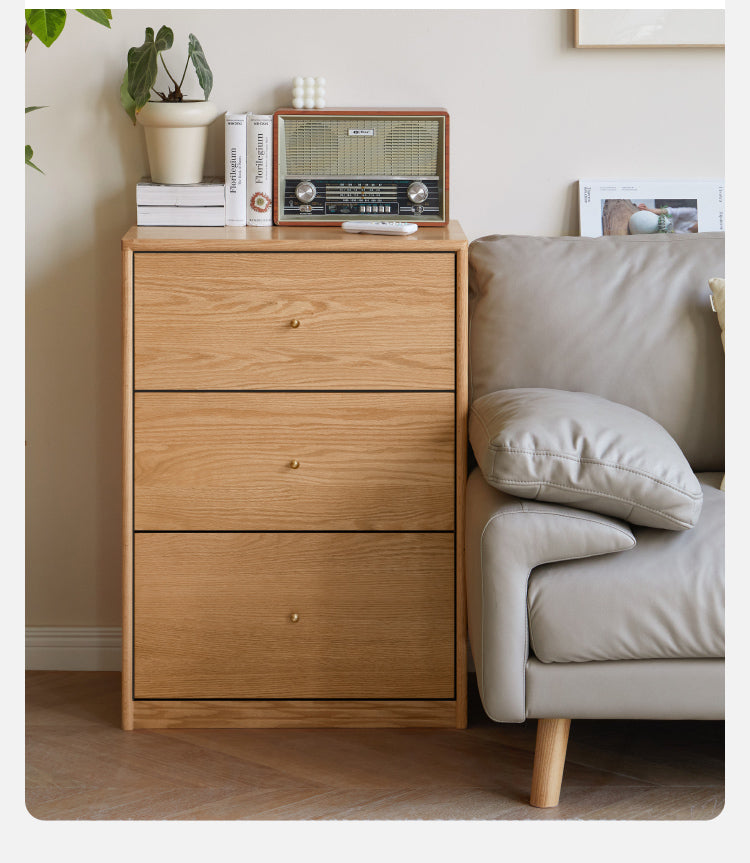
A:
(627, 318)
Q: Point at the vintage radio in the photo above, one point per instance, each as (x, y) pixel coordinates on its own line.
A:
(337, 165)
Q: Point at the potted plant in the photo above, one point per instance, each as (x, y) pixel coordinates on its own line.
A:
(176, 128)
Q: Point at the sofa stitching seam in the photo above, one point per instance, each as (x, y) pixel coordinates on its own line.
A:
(516, 482)
(499, 448)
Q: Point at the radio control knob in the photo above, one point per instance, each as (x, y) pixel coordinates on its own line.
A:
(305, 191)
(417, 192)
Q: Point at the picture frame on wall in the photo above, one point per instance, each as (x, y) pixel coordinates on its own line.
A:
(609, 207)
(649, 28)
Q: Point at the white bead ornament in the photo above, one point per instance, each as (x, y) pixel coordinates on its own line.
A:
(308, 92)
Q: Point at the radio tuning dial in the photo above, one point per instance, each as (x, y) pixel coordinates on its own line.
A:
(305, 191)
(417, 192)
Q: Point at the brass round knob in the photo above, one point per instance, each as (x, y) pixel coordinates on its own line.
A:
(294, 323)
(294, 464)
(294, 617)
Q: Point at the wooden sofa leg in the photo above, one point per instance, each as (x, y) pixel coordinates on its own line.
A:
(549, 761)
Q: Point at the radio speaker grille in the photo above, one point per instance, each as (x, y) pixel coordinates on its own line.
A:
(398, 147)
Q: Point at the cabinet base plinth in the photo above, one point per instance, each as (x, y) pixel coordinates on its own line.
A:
(293, 714)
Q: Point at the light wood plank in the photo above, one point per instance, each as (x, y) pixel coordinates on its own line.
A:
(127, 483)
(295, 239)
(313, 713)
(462, 408)
(636, 770)
(294, 616)
(223, 461)
(294, 321)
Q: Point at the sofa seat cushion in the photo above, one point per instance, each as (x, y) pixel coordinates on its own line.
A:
(585, 451)
(662, 599)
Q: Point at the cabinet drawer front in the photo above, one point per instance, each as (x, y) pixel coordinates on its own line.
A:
(214, 616)
(223, 461)
(224, 320)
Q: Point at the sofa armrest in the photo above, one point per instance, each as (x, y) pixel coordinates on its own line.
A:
(506, 537)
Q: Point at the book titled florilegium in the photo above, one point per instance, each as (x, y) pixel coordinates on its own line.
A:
(235, 168)
(259, 169)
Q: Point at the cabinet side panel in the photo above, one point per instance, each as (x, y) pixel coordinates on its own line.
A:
(127, 487)
(461, 468)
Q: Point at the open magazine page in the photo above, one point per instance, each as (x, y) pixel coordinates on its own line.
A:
(610, 207)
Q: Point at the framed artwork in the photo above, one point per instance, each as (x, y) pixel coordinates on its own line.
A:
(649, 28)
(610, 207)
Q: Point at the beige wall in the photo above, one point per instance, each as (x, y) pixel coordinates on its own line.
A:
(529, 115)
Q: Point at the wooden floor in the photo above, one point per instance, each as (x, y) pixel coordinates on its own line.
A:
(80, 765)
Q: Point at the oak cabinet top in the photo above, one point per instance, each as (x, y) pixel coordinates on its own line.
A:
(247, 239)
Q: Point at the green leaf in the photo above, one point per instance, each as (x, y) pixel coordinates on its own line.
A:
(35, 108)
(101, 16)
(141, 70)
(202, 70)
(164, 39)
(46, 24)
(125, 98)
(29, 154)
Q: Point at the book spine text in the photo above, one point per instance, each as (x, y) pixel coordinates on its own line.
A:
(235, 168)
(260, 170)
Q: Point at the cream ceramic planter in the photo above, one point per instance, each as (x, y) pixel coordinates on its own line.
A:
(176, 135)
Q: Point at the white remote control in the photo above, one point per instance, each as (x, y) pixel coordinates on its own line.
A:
(379, 227)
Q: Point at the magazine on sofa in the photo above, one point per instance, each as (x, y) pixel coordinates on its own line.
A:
(650, 206)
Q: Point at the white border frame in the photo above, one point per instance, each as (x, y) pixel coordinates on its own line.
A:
(649, 28)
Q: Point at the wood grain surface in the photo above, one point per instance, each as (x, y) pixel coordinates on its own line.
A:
(127, 485)
(462, 409)
(222, 461)
(294, 321)
(269, 615)
(549, 762)
(80, 765)
(295, 239)
(298, 713)
(303, 321)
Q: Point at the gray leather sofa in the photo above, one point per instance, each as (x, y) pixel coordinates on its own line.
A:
(595, 521)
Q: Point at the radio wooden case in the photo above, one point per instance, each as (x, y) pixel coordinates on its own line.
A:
(337, 165)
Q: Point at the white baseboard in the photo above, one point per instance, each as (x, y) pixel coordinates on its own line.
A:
(73, 648)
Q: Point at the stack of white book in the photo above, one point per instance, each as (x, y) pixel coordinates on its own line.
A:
(248, 140)
(199, 204)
